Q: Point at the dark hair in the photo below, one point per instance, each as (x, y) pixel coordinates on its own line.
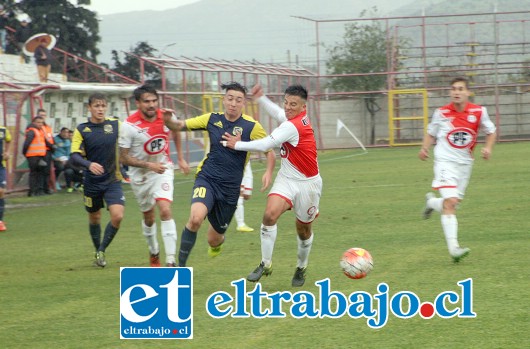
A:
(65, 129)
(40, 109)
(236, 86)
(146, 88)
(297, 90)
(37, 118)
(96, 97)
(460, 79)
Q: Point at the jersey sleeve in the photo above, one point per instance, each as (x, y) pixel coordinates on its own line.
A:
(77, 142)
(198, 123)
(434, 125)
(126, 135)
(272, 109)
(286, 132)
(487, 125)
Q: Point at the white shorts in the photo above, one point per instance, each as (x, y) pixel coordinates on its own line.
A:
(451, 179)
(303, 196)
(152, 187)
(248, 180)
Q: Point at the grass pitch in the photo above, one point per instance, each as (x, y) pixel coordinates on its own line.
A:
(52, 297)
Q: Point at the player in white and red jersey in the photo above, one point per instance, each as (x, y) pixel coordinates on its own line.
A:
(298, 184)
(454, 128)
(144, 147)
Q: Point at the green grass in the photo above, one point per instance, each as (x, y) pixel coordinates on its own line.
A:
(51, 296)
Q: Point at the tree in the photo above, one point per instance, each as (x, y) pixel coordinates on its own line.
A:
(130, 67)
(363, 51)
(75, 27)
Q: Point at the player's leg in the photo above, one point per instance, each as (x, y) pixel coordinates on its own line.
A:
(306, 207)
(458, 178)
(202, 200)
(149, 231)
(276, 206)
(219, 217)
(115, 200)
(246, 192)
(3, 183)
(169, 231)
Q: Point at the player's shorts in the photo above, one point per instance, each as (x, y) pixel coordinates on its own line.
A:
(3, 177)
(303, 196)
(451, 178)
(113, 195)
(220, 208)
(248, 181)
(152, 187)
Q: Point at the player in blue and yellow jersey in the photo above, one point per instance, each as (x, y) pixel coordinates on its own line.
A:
(95, 147)
(5, 139)
(218, 179)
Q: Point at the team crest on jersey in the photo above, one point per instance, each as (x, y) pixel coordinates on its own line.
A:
(461, 137)
(108, 129)
(237, 131)
(284, 152)
(156, 145)
(472, 118)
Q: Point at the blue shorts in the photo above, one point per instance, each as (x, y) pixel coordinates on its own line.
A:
(113, 195)
(220, 212)
(3, 177)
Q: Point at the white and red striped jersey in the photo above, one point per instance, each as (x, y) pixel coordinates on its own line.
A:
(456, 132)
(294, 137)
(146, 141)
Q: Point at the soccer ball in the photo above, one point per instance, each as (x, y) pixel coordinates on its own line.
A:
(356, 263)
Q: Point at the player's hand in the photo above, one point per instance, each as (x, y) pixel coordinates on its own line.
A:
(256, 91)
(184, 167)
(266, 181)
(157, 167)
(423, 154)
(229, 141)
(486, 153)
(96, 168)
(170, 119)
(6, 155)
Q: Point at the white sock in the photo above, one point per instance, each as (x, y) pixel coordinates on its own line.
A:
(436, 204)
(169, 235)
(304, 247)
(268, 237)
(150, 237)
(450, 228)
(240, 212)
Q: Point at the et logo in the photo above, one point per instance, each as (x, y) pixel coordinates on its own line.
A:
(156, 303)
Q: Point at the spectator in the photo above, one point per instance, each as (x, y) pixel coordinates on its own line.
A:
(50, 148)
(5, 140)
(43, 60)
(4, 16)
(21, 36)
(34, 149)
(60, 159)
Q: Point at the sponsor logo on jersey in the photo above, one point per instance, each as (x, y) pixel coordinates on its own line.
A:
(156, 145)
(87, 129)
(219, 124)
(461, 137)
(284, 152)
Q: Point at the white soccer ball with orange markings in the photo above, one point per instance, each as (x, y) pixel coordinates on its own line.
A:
(356, 263)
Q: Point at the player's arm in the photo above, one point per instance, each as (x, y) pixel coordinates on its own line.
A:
(128, 160)
(183, 164)
(286, 132)
(171, 121)
(429, 137)
(491, 134)
(266, 179)
(78, 160)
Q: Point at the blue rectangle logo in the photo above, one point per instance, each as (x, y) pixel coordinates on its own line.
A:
(156, 303)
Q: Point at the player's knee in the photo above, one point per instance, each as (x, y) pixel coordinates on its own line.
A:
(195, 222)
(451, 203)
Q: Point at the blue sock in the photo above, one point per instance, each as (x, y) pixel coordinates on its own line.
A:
(2, 208)
(187, 241)
(95, 234)
(110, 233)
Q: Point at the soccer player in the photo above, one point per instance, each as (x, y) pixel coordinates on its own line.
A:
(5, 141)
(144, 147)
(454, 127)
(298, 184)
(95, 147)
(246, 192)
(219, 175)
